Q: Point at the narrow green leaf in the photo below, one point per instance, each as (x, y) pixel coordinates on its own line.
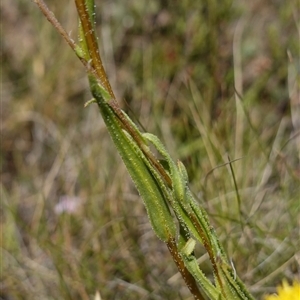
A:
(151, 193)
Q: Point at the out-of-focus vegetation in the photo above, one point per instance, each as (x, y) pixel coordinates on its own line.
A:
(215, 81)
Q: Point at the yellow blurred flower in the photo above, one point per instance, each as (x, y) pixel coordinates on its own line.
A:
(286, 292)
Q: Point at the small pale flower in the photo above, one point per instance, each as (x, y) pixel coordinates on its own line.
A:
(67, 204)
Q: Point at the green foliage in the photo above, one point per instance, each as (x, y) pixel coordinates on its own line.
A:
(181, 88)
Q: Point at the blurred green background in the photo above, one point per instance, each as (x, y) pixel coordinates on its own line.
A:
(214, 80)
